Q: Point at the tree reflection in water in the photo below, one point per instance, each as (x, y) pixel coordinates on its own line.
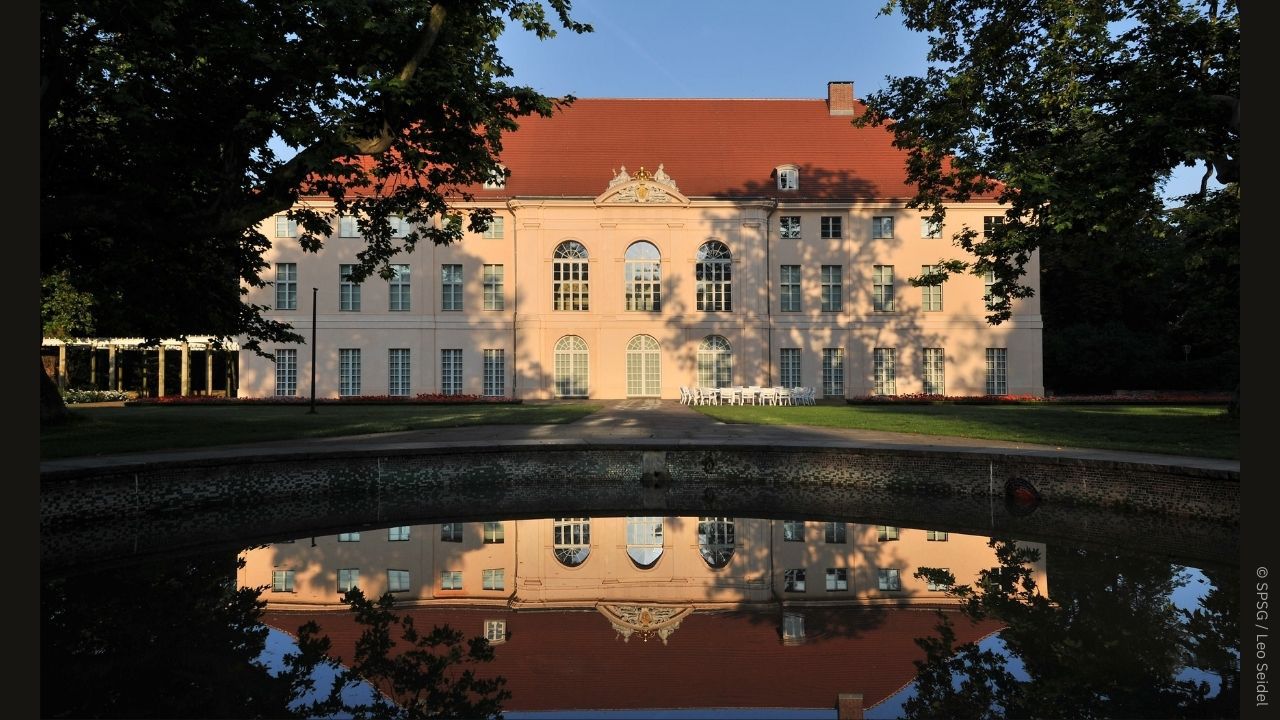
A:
(1107, 642)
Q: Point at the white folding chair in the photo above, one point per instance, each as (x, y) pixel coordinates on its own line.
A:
(752, 395)
(783, 395)
(768, 396)
(685, 397)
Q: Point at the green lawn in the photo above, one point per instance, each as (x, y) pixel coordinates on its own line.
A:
(108, 430)
(1204, 431)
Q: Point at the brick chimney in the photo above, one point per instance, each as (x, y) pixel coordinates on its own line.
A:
(849, 706)
(840, 97)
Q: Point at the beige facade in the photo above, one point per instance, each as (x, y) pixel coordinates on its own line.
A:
(810, 309)
(619, 562)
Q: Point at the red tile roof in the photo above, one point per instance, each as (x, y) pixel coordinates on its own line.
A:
(567, 660)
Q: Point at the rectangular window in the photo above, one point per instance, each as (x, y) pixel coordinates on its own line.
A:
(451, 371)
(889, 579)
(398, 371)
(793, 580)
(930, 229)
(930, 295)
(451, 287)
(988, 279)
(495, 372)
(836, 533)
(495, 631)
(348, 372)
(789, 367)
(496, 228)
(451, 532)
(495, 579)
(789, 227)
(400, 533)
(886, 383)
(286, 226)
(936, 535)
(989, 225)
(882, 227)
(789, 294)
(833, 372)
(831, 226)
(348, 292)
(348, 578)
(450, 579)
(936, 586)
(495, 533)
(349, 537)
(793, 530)
(347, 227)
(494, 288)
(886, 533)
(934, 365)
(997, 371)
(397, 580)
(282, 581)
(792, 628)
(832, 288)
(286, 372)
(286, 286)
(837, 579)
(398, 288)
(882, 288)
(453, 222)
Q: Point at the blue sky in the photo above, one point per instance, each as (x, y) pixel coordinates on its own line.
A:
(728, 49)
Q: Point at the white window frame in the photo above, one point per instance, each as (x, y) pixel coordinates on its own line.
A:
(570, 277)
(835, 533)
(286, 227)
(571, 540)
(399, 372)
(348, 578)
(884, 363)
(496, 229)
(397, 580)
(889, 579)
(833, 372)
(495, 631)
(348, 372)
(832, 277)
(399, 533)
(715, 362)
(450, 579)
(349, 537)
(888, 533)
(451, 371)
(717, 541)
(495, 372)
(642, 277)
(790, 298)
(493, 579)
(644, 540)
(882, 227)
(348, 227)
(286, 286)
(644, 367)
(793, 580)
(286, 372)
(788, 177)
(937, 535)
(789, 227)
(882, 288)
(929, 229)
(713, 273)
(937, 586)
(451, 287)
(572, 367)
(348, 291)
(997, 371)
(793, 531)
(451, 532)
(934, 371)
(831, 227)
(495, 533)
(789, 367)
(399, 289)
(283, 581)
(837, 579)
(930, 295)
(494, 278)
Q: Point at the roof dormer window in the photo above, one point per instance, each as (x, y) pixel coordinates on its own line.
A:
(497, 180)
(788, 177)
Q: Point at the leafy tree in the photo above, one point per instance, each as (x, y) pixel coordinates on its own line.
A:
(1073, 113)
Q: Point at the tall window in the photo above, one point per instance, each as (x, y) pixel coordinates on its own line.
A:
(997, 371)
(789, 227)
(882, 288)
(885, 374)
(451, 287)
(494, 288)
(835, 533)
(282, 581)
(348, 372)
(571, 367)
(643, 371)
(451, 532)
(286, 286)
(716, 540)
(495, 372)
(831, 226)
(789, 367)
(934, 365)
(399, 533)
(400, 226)
(644, 540)
(569, 288)
(495, 229)
(450, 579)
(397, 580)
(882, 227)
(714, 277)
(398, 288)
(450, 371)
(988, 279)
(789, 292)
(715, 362)
(793, 530)
(348, 578)
(348, 291)
(837, 579)
(930, 228)
(889, 579)
(495, 533)
(348, 227)
(793, 580)
(495, 631)
(571, 540)
(497, 179)
(832, 288)
(286, 226)
(989, 225)
(642, 280)
(286, 371)
(788, 178)
(493, 579)
(833, 372)
(930, 295)
(398, 371)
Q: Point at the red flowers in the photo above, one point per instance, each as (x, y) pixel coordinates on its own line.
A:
(420, 399)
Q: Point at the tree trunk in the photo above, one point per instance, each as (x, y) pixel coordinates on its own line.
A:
(52, 409)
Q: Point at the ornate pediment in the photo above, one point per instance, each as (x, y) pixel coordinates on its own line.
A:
(642, 188)
(645, 621)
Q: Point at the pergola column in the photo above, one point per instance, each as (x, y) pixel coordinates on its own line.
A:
(208, 370)
(62, 366)
(185, 385)
(113, 377)
(93, 366)
(160, 373)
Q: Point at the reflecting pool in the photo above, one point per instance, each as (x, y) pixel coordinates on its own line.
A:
(801, 615)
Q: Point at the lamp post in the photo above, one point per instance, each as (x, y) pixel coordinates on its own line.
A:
(314, 291)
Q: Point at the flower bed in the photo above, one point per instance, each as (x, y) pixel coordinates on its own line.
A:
(1121, 397)
(420, 399)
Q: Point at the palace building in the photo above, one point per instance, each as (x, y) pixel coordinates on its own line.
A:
(644, 245)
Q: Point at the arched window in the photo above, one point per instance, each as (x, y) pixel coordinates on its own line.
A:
(569, 277)
(642, 277)
(715, 362)
(644, 378)
(714, 273)
(571, 541)
(715, 540)
(644, 541)
(788, 177)
(571, 367)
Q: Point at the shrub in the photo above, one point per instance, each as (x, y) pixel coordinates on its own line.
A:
(74, 396)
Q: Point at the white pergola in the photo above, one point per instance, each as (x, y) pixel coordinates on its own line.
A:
(197, 343)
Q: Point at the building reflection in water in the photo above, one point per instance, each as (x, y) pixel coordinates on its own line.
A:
(728, 612)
